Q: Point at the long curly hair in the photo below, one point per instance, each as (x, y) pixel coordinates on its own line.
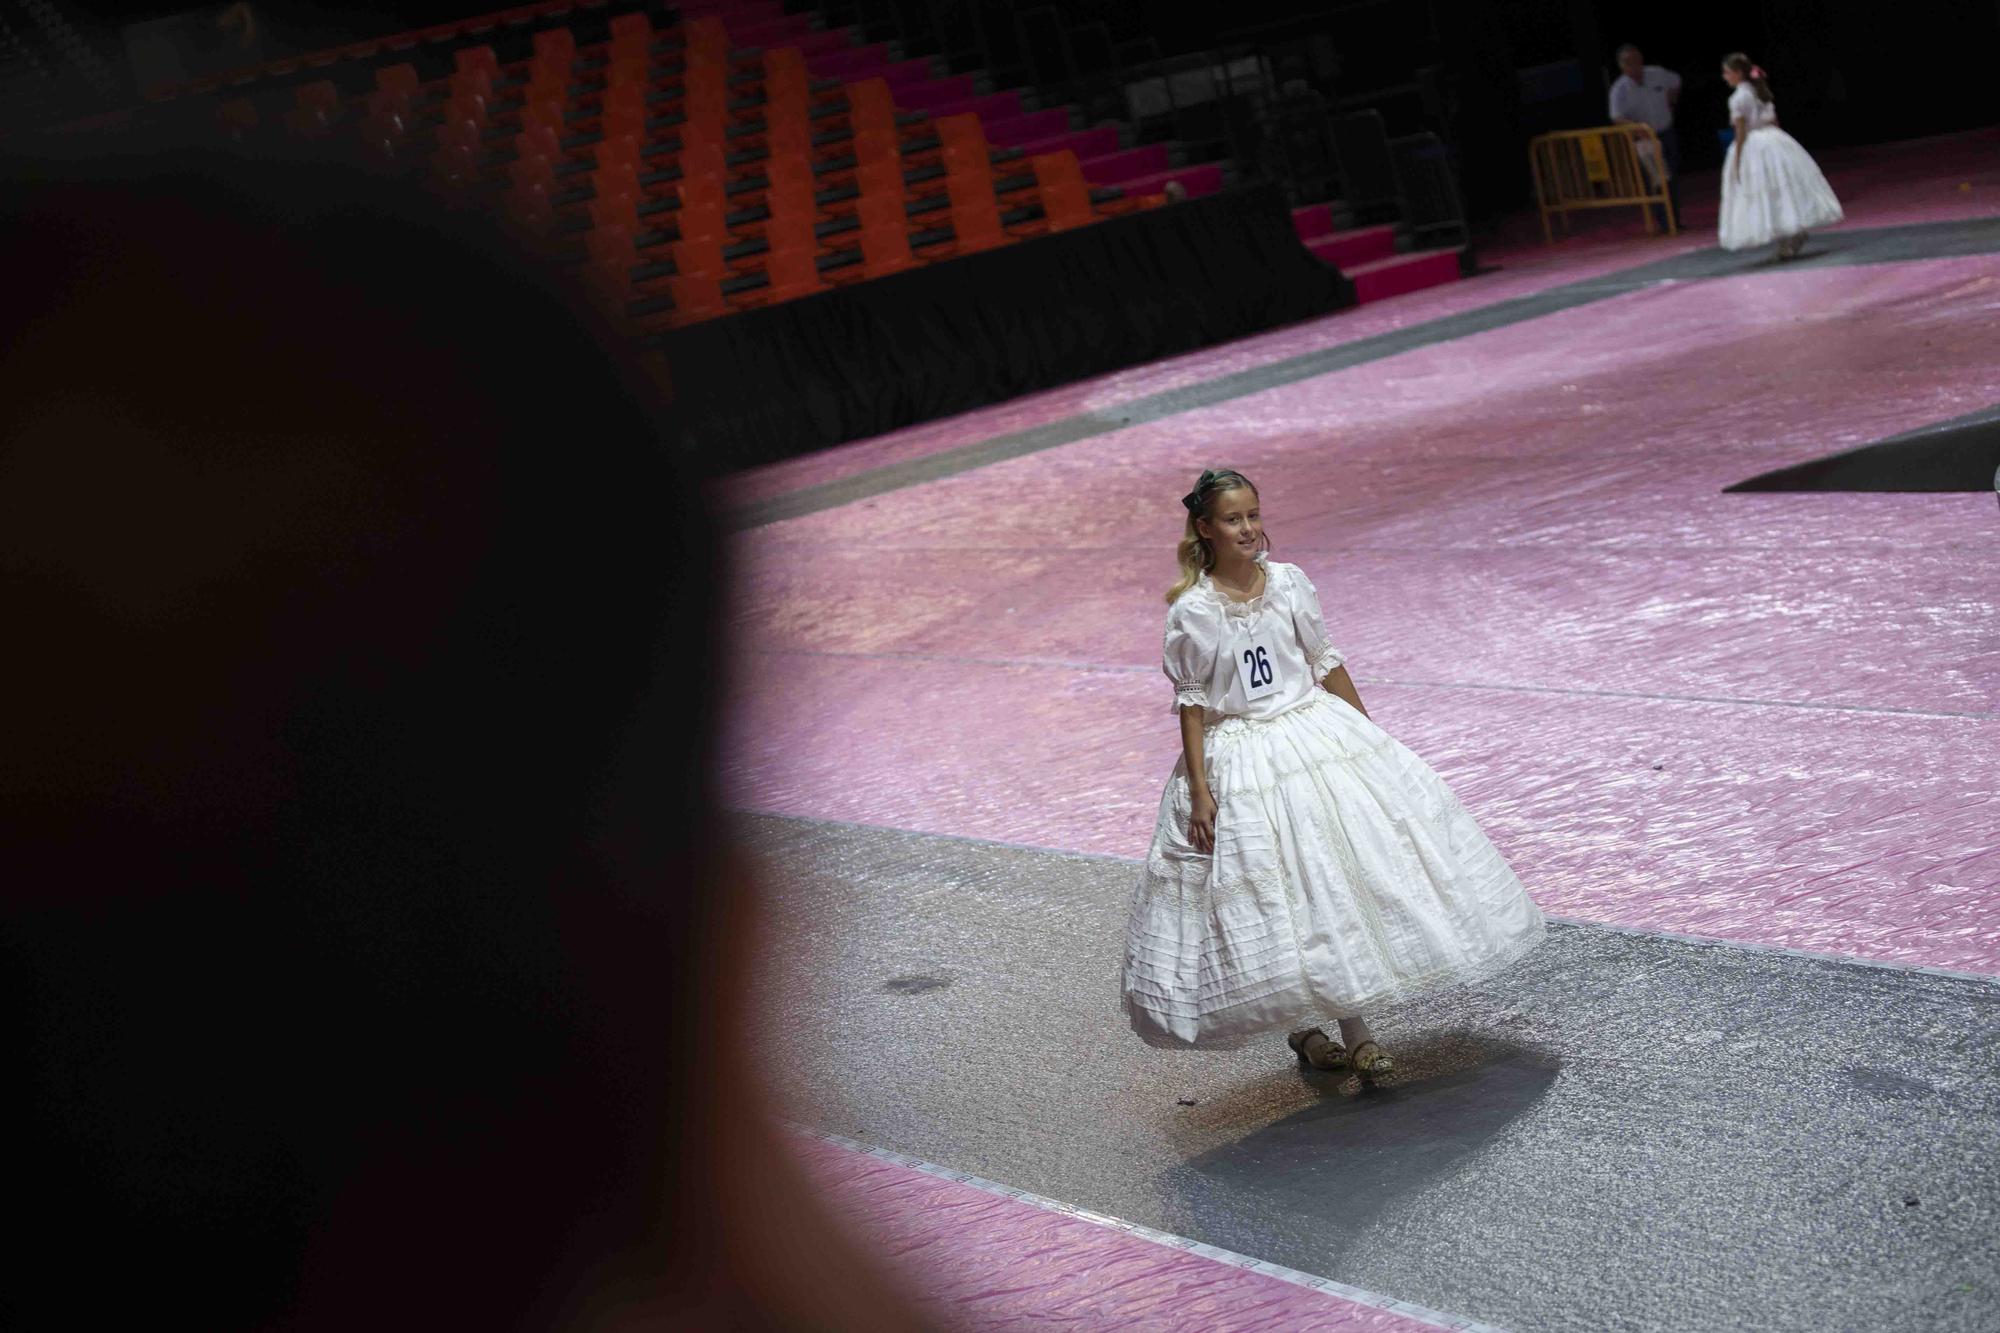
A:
(1195, 554)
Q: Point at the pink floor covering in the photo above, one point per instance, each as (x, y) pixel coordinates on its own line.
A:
(1763, 718)
(1522, 545)
(982, 1262)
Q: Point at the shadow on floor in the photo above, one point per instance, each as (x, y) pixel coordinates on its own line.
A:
(1305, 1186)
(1961, 454)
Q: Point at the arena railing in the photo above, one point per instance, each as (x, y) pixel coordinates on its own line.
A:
(1607, 166)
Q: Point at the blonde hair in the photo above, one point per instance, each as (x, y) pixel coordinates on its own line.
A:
(1195, 555)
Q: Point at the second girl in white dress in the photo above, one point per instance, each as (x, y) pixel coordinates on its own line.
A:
(1772, 190)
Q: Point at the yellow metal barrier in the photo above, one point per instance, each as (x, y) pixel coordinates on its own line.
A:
(1609, 166)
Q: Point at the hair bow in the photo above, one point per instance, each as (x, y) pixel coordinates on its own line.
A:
(1757, 71)
(1192, 500)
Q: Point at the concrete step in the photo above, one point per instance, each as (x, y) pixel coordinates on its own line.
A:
(1400, 274)
(1361, 245)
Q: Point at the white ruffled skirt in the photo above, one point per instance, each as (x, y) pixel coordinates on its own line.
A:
(1782, 192)
(1345, 874)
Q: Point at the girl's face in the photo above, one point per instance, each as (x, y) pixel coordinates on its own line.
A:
(1733, 77)
(1233, 523)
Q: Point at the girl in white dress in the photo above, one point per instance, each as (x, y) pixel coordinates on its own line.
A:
(1771, 188)
(1304, 863)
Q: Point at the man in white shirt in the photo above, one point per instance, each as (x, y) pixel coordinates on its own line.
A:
(1646, 94)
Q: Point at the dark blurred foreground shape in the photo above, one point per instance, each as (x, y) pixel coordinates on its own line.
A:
(370, 956)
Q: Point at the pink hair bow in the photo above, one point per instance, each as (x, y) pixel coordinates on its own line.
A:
(1756, 71)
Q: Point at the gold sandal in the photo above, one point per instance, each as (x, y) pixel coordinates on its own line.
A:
(1369, 1060)
(1329, 1054)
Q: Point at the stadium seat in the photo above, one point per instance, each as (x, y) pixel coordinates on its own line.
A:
(1064, 195)
(557, 46)
(793, 272)
(456, 133)
(869, 107)
(698, 257)
(696, 297)
(619, 208)
(964, 142)
(399, 79)
(453, 166)
(315, 107)
(632, 27)
(608, 243)
(466, 106)
(477, 57)
(529, 170)
(885, 238)
(538, 140)
(478, 82)
(527, 203)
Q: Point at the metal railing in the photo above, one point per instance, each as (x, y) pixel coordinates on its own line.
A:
(1609, 166)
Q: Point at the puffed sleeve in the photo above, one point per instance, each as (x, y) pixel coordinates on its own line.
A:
(1188, 657)
(1743, 103)
(1310, 623)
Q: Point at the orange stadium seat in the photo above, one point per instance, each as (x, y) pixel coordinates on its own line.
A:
(793, 272)
(696, 297)
(477, 57)
(698, 257)
(1064, 195)
(632, 27)
(399, 79)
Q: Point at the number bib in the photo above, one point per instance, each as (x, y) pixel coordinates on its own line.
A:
(1255, 665)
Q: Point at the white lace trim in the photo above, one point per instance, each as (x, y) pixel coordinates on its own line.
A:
(1190, 696)
(1328, 658)
(1239, 610)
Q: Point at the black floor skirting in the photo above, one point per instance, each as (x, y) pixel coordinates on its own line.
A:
(773, 383)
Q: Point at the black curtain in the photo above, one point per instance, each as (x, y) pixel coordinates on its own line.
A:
(768, 384)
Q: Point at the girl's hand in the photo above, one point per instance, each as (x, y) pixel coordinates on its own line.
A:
(1201, 823)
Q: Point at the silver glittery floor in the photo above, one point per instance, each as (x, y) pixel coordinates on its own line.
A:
(1625, 1132)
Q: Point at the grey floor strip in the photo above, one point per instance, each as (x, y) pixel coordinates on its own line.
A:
(1862, 245)
(1132, 864)
(1414, 1313)
(1624, 1131)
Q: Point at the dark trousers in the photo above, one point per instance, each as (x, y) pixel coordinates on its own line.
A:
(1670, 149)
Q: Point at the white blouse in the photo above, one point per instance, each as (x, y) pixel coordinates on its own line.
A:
(1252, 658)
(1745, 106)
